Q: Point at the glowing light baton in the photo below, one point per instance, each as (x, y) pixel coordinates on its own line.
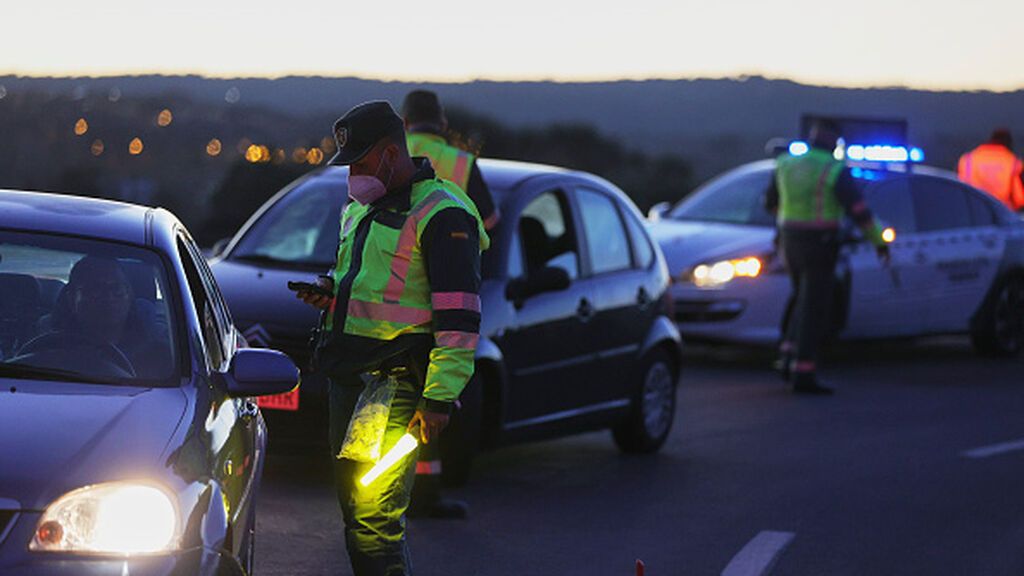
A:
(406, 444)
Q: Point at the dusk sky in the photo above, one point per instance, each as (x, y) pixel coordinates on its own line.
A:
(935, 44)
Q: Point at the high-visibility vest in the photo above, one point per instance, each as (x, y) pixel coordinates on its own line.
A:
(449, 162)
(994, 169)
(390, 295)
(806, 185)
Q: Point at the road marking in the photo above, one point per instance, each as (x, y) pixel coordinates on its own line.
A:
(759, 555)
(994, 449)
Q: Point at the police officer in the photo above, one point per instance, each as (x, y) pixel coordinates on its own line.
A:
(404, 303)
(426, 126)
(994, 168)
(810, 193)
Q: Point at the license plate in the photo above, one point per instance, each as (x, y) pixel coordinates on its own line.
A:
(286, 401)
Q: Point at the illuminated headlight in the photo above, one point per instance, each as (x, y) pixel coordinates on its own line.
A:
(119, 518)
(718, 273)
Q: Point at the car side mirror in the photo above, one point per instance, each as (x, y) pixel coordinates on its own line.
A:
(260, 372)
(658, 211)
(546, 279)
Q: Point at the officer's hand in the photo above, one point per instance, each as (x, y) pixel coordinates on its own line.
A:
(315, 300)
(430, 423)
(883, 254)
(318, 301)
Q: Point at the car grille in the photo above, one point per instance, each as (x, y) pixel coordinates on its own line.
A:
(6, 521)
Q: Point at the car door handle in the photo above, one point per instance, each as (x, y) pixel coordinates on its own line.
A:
(585, 311)
(643, 299)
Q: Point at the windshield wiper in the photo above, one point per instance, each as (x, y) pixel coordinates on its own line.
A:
(28, 372)
(265, 259)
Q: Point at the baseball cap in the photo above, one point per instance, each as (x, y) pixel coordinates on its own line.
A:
(361, 128)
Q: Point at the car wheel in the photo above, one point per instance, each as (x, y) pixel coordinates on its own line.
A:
(461, 440)
(1000, 327)
(653, 408)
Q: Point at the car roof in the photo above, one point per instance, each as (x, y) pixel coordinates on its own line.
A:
(500, 174)
(79, 216)
(918, 169)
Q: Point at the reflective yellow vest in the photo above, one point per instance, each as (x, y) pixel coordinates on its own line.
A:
(390, 294)
(448, 161)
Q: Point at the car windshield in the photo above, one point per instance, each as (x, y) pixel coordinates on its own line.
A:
(731, 198)
(84, 311)
(299, 230)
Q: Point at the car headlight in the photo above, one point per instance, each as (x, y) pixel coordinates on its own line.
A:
(718, 273)
(119, 518)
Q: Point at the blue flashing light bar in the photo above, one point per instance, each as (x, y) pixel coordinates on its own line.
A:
(872, 153)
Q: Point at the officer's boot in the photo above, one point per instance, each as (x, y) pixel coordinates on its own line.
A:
(807, 383)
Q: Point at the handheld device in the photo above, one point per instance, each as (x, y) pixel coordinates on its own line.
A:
(309, 287)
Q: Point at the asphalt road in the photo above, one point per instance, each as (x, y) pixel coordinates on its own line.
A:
(911, 468)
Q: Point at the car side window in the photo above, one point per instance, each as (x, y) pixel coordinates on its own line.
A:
(546, 234)
(643, 253)
(890, 201)
(982, 213)
(939, 204)
(607, 243)
(213, 345)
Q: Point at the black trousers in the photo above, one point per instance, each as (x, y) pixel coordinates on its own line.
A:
(810, 257)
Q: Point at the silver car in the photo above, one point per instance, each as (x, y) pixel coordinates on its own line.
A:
(957, 262)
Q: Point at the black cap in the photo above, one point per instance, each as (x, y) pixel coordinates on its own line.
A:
(361, 128)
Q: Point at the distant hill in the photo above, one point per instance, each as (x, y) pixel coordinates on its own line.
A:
(713, 124)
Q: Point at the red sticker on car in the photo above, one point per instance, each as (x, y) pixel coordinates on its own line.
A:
(286, 401)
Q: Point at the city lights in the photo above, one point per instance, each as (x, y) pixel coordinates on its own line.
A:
(315, 156)
(299, 155)
(81, 127)
(257, 153)
(135, 147)
(164, 118)
(213, 147)
(97, 147)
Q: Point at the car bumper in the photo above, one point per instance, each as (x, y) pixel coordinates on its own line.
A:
(746, 310)
(197, 561)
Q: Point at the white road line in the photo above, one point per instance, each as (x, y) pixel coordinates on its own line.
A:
(994, 449)
(759, 555)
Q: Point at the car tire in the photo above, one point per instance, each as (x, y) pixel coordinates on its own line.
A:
(653, 408)
(999, 329)
(460, 442)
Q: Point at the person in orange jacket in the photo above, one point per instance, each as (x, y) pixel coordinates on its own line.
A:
(994, 168)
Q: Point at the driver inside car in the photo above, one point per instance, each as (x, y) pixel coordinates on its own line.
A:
(98, 312)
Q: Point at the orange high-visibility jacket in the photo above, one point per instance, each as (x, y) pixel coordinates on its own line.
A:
(994, 169)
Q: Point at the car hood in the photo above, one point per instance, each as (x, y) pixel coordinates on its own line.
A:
(688, 243)
(257, 293)
(56, 437)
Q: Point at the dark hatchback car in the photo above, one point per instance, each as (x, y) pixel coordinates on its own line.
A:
(129, 442)
(575, 335)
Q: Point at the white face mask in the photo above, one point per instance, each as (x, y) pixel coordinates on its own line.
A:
(366, 189)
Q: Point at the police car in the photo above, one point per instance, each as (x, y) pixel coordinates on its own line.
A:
(957, 258)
